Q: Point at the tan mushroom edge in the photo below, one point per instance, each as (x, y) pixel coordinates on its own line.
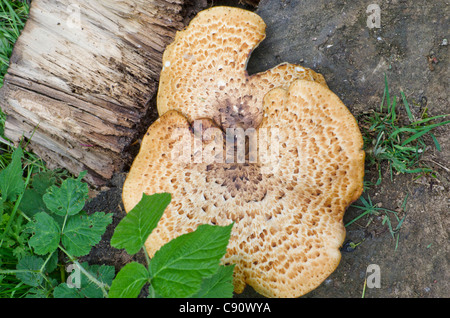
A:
(204, 69)
(288, 211)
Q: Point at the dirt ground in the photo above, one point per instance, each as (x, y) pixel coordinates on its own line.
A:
(410, 47)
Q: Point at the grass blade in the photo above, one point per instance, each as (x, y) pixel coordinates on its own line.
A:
(393, 115)
(415, 136)
(422, 121)
(408, 110)
(436, 142)
(388, 98)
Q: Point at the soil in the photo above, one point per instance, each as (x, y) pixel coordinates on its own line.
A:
(410, 47)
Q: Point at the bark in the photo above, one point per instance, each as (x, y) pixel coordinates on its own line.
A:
(81, 79)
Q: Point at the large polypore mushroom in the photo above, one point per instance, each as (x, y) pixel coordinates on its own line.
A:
(204, 70)
(287, 202)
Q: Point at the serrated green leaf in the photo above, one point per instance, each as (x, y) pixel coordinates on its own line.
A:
(69, 199)
(42, 181)
(52, 263)
(30, 265)
(219, 285)
(87, 288)
(134, 229)
(64, 291)
(31, 203)
(37, 293)
(103, 273)
(46, 234)
(178, 268)
(129, 281)
(84, 231)
(11, 179)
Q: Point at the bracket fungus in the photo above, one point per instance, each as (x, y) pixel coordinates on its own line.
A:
(204, 70)
(287, 205)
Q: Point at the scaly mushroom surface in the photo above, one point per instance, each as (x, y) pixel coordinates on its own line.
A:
(204, 70)
(287, 199)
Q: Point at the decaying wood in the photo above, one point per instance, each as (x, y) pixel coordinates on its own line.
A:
(81, 78)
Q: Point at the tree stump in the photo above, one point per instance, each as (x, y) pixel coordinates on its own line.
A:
(81, 79)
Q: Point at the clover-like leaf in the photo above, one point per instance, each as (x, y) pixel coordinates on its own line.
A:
(32, 203)
(84, 231)
(103, 273)
(28, 270)
(87, 289)
(46, 234)
(69, 199)
(64, 291)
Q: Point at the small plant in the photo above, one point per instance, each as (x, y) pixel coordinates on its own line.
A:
(187, 266)
(41, 220)
(371, 210)
(401, 146)
(43, 230)
(15, 178)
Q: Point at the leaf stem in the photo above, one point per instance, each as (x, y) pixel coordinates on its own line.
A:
(100, 284)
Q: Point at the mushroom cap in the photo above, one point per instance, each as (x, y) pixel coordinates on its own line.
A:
(287, 208)
(204, 70)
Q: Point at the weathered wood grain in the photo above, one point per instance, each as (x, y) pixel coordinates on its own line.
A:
(81, 78)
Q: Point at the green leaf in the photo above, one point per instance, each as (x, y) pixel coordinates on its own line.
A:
(179, 267)
(32, 203)
(43, 180)
(46, 234)
(69, 199)
(64, 291)
(37, 292)
(102, 273)
(31, 266)
(87, 288)
(219, 285)
(134, 229)
(52, 263)
(84, 231)
(11, 178)
(129, 281)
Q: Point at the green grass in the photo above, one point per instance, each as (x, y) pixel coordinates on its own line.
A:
(393, 137)
(13, 235)
(396, 140)
(13, 15)
(390, 218)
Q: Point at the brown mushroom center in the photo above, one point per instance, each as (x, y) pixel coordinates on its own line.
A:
(241, 180)
(234, 112)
